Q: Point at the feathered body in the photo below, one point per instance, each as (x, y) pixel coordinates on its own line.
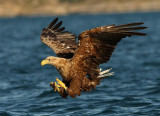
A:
(78, 63)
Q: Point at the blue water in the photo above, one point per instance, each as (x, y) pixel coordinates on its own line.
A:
(134, 90)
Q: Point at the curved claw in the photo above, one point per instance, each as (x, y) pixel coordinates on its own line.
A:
(61, 84)
(56, 87)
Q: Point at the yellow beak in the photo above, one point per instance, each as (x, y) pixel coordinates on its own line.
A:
(44, 62)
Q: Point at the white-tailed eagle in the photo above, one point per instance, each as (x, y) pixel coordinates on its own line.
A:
(78, 63)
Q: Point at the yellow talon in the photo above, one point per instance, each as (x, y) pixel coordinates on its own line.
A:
(61, 84)
(56, 87)
(51, 83)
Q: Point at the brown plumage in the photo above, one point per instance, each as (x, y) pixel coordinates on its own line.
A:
(78, 63)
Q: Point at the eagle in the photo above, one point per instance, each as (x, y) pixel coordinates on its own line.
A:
(78, 62)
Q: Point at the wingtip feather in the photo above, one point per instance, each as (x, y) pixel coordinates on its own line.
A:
(61, 29)
(57, 25)
(53, 22)
(135, 33)
(129, 25)
(131, 28)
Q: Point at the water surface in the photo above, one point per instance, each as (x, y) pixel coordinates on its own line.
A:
(24, 85)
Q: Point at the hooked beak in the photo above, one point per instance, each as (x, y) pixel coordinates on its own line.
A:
(44, 62)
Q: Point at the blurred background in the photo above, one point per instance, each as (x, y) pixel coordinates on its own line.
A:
(134, 90)
(63, 7)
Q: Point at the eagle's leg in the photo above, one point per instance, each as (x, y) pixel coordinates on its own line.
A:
(61, 84)
(105, 73)
(58, 86)
(60, 90)
(55, 86)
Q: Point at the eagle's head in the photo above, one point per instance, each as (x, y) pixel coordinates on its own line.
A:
(50, 60)
(54, 61)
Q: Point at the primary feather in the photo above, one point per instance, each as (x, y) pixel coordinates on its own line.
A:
(63, 43)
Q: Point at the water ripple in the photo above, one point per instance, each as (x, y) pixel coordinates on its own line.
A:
(24, 84)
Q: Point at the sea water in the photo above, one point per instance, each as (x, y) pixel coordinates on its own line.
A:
(134, 90)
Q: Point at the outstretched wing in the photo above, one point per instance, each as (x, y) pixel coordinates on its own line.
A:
(63, 43)
(98, 44)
